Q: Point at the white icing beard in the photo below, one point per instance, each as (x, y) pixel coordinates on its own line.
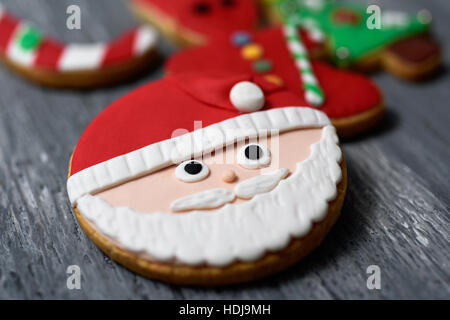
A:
(247, 189)
(244, 231)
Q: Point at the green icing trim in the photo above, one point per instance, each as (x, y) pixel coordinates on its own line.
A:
(314, 94)
(29, 39)
(356, 38)
(262, 66)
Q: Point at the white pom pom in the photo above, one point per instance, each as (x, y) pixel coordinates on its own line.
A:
(247, 96)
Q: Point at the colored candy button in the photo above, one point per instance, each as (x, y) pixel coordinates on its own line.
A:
(272, 78)
(241, 38)
(342, 53)
(262, 66)
(252, 52)
(346, 16)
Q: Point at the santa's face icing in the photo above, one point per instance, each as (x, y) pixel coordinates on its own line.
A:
(252, 178)
(250, 219)
(232, 175)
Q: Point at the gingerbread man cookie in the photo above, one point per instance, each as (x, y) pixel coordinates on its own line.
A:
(352, 101)
(195, 22)
(205, 180)
(48, 62)
(401, 45)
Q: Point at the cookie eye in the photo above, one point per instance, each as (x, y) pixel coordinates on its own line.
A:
(192, 171)
(228, 3)
(202, 8)
(253, 156)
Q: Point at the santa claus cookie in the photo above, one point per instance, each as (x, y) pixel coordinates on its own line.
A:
(48, 62)
(352, 101)
(208, 180)
(400, 44)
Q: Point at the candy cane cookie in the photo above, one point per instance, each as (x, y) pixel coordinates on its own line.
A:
(312, 90)
(48, 62)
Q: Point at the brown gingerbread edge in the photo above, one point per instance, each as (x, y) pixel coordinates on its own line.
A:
(350, 127)
(383, 59)
(269, 13)
(238, 272)
(88, 79)
(416, 69)
(410, 71)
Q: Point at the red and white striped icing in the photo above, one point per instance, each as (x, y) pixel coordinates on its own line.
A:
(53, 55)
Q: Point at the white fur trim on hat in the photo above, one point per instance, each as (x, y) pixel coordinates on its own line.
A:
(168, 152)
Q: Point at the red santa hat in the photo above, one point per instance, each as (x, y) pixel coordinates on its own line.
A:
(135, 135)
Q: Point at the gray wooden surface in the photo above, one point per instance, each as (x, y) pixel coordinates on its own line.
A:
(396, 214)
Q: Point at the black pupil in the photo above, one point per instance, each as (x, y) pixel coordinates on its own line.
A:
(202, 7)
(253, 152)
(193, 168)
(228, 3)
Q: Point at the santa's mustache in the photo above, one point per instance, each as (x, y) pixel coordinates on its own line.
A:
(247, 189)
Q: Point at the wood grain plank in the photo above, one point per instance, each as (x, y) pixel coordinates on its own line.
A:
(396, 215)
